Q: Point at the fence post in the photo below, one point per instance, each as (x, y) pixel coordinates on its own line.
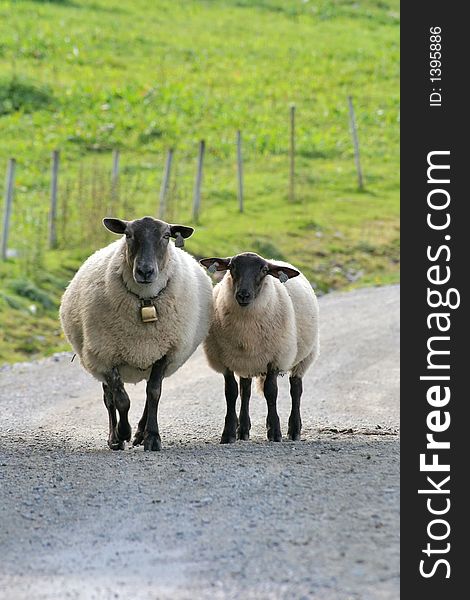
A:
(64, 208)
(240, 170)
(8, 204)
(357, 160)
(292, 154)
(53, 207)
(165, 184)
(115, 177)
(197, 186)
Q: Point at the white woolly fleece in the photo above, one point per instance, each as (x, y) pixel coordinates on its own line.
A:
(102, 320)
(279, 328)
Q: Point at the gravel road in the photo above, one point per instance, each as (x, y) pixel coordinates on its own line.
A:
(254, 520)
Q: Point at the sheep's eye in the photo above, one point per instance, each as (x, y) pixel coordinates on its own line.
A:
(265, 270)
(128, 235)
(166, 236)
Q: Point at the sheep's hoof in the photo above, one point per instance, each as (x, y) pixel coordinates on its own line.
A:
(152, 442)
(116, 444)
(138, 438)
(294, 428)
(115, 440)
(273, 429)
(274, 436)
(228, 438)
(243, 435)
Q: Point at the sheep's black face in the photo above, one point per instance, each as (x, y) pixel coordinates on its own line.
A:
(147, 244)
(248, 271)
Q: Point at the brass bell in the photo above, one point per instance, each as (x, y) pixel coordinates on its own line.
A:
(149, 314)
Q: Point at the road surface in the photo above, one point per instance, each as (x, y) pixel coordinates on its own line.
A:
(199, 520)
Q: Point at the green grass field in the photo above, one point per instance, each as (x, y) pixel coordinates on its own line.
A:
(89, 76)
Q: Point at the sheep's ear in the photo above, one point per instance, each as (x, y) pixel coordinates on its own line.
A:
(184, 231)
(115, 225)
(215, 264)
(282, 273)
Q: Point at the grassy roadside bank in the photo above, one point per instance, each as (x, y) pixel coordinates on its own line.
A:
(89, 76)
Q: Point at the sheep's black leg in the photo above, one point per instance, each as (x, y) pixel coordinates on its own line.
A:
(229, 434)
(113, 441)
(270, 392)
(152, 439)
(243, 431)
(139, 434)
(295, 422)
(115, 397)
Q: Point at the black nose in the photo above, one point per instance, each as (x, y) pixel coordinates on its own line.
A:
(243, 297)
(145, 273)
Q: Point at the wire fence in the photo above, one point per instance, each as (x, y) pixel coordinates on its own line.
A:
(66, 213)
